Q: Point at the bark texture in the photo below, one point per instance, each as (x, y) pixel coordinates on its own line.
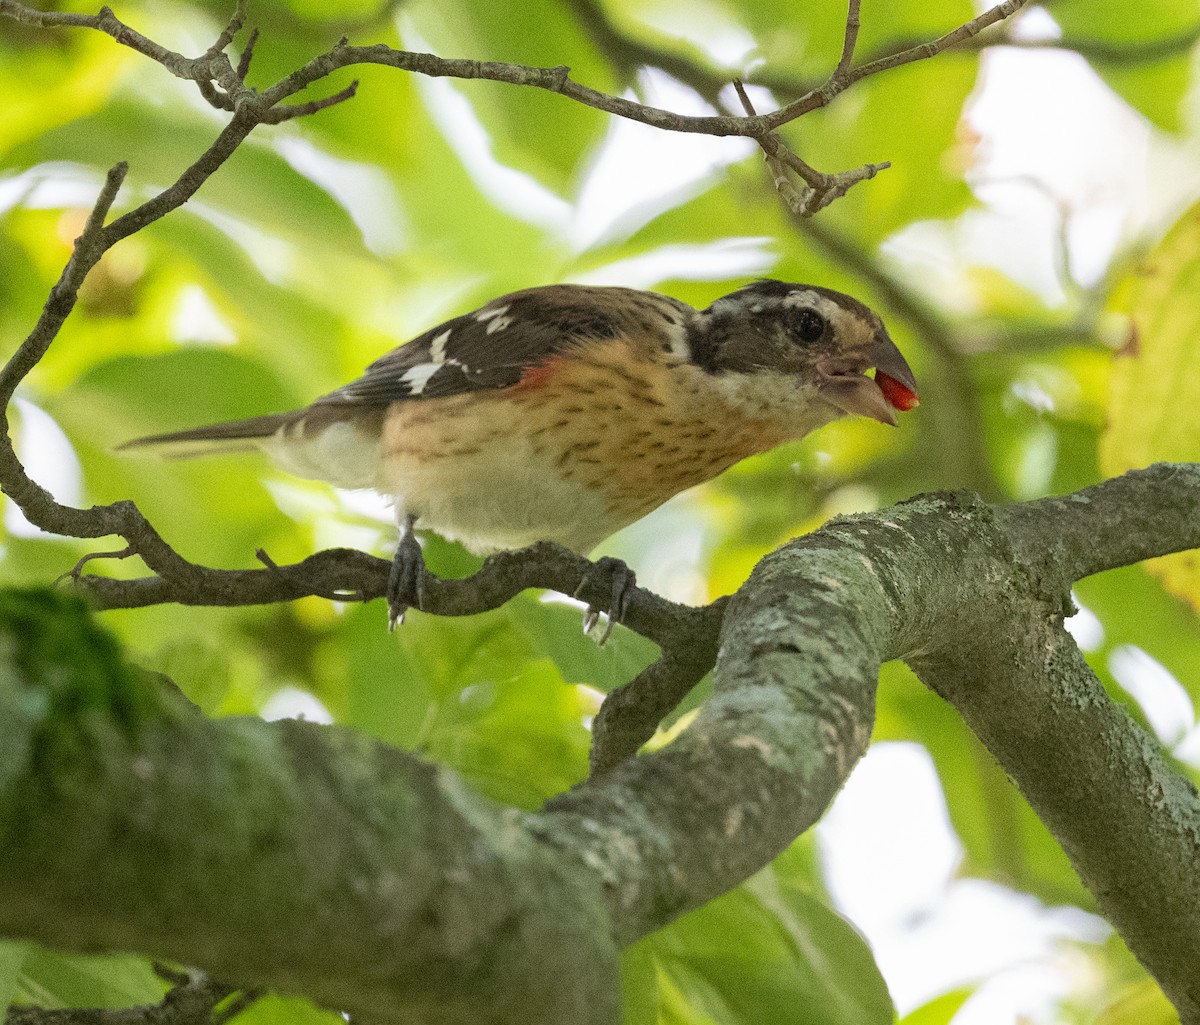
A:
(307, 859)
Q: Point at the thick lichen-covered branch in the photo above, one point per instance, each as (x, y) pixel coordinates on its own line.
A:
(287, 855)
(268, 853)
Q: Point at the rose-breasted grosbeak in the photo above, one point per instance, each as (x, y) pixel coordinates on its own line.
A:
(566, 412)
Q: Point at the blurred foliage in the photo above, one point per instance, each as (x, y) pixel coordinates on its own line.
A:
(1154, 405)
(326, 241)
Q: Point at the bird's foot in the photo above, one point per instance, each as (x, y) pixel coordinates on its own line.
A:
(623, 581)
(406, 581)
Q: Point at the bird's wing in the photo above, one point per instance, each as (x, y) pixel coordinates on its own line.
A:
(489, 348)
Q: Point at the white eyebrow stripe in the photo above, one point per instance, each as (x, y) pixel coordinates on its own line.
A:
(815, 300)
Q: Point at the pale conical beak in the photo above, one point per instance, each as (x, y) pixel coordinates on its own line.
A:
(893, 387)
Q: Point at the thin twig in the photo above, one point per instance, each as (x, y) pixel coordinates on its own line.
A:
(923, 51)
(631, 714)
(821, 189)
(556, 80)
(214, 96)
(104, 201)
(243, 67)
(287, 111)
(849, 41)
(229, 32)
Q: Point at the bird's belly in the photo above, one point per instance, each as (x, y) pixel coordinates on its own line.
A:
(571, 460)
(503, 497)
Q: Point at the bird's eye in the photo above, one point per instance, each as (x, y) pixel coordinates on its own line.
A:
(808, 325)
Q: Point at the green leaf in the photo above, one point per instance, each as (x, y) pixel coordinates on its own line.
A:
(201, 384)
(277, 1010)
(519, 738)
(1134, 608)
(1154, 406)
(764, 950)
(530, 128)
(470, 693)
(1142, 1004)
(48, 79)
(639, 987)
(555, 630)
(1154, 85)
(12, 961)
(1109, 19)
(218, 505)
(256, 185)
(939, 1011)
(52, 979)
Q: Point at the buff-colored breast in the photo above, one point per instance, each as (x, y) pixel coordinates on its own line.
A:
(582, 447)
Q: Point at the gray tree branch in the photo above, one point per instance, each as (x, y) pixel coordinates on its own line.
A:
(214, 66)
(371, 882)
(621, 727)
(306, 859)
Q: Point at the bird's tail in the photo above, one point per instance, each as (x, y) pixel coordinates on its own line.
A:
(212, 439)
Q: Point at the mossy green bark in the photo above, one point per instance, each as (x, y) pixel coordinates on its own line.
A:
(308, 859)
(291, 855)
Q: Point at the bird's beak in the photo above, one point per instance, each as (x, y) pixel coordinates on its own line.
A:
(847, 387)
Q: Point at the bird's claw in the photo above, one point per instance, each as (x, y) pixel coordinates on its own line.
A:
(406, 579)
(623, 582)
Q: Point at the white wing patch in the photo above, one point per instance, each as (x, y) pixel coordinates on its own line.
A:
(437, 350)
(415, 378)
(498, 320)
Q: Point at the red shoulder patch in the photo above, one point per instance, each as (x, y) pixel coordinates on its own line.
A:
(541, 374)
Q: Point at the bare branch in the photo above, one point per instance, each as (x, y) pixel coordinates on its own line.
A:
(558, 80)
(285, 112)
(103, 21)
(628, 52)
(620, 855)
(851, 37)
(924, 51)
(215, 97)
(230, 31)
(243, 68)
(104, 201)
(1096, 51)
(630, 714)
(88, 249)
(1113, 524)
(837, 84)
(822, 189)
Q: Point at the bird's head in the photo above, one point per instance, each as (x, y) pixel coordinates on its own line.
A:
(806, 345)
